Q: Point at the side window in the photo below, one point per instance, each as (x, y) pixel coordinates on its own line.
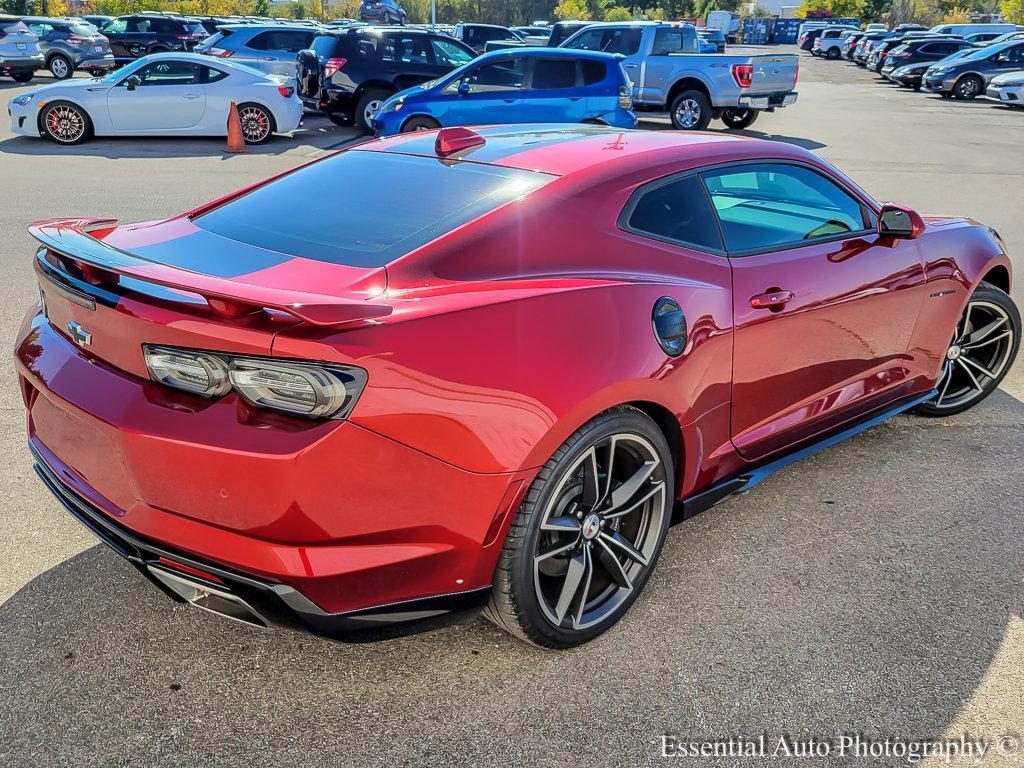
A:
(260, 42)
(40, 30)
(766, 205)
(211, 75)
(448, 53)
(678, 211)
(408, 49)
(593, 71)
(170, 73)
(137, 25)
(117, 26)
(587, 41)
(623, 41)
(504, 75)
(553, 73)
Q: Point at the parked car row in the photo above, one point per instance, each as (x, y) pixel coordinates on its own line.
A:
(389, 79)
(960, 61)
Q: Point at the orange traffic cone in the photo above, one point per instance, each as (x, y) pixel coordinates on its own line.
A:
(235, 141)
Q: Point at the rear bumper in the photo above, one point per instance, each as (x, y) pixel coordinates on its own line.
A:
(13, 66)
(771, 101)
(253, 601)
(96, 61)
(331, 100)
(334, 512)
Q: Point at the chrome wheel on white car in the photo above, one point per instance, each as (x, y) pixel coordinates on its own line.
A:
(65, 123)
(257, 123)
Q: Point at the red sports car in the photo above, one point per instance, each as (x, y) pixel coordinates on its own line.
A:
(461, 370)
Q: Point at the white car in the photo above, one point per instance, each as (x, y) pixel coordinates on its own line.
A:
(164, 94)
(1008, 88)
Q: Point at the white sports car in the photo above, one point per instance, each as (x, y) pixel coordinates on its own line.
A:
(165, 94)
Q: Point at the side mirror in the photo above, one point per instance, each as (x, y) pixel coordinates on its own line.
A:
(463, 88)
(898, 221)
(133, 82)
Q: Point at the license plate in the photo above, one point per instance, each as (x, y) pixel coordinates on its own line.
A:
(22, 46)
(99, 49)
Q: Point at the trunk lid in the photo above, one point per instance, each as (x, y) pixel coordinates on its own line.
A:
(112, 289)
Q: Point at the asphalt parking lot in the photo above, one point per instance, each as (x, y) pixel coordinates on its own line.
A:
(874, 588)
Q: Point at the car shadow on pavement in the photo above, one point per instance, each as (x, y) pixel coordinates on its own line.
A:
(866, 589)
(317, 135)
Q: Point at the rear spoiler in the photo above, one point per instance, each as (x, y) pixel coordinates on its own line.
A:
(101, 264)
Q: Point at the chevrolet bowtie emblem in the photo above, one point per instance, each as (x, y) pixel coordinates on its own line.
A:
(79, 335)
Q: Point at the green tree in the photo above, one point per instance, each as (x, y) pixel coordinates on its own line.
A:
(875, 10)
(572, 9)
(618, 13)
(261, 7)
(1013, 11)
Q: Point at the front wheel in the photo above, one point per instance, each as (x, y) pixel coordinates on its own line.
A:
(257, 123)
(420, 123)
(690, 111)
(984, 345)
(968, 87)
(738, 119)
(65, 123)
(587, 535)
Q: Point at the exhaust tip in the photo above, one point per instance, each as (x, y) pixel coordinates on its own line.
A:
(208, 598)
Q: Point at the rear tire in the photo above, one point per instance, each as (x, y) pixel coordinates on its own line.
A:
(65, 123)
(257, 123)
(22, 77)
(60, 67)
(582, 543)
(983, 347)
(369, 102)
(690, 111)
(738, 119)
(833, 54)
(420, 123)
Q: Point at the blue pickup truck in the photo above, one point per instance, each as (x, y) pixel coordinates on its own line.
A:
(668, 72)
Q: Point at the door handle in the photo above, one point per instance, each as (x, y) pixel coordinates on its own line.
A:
(509, 101)
(575, 98)
(191, 96)
(772, 299)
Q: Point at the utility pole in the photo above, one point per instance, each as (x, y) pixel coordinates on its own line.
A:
(433, 13)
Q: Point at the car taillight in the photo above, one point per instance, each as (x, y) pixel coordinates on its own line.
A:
(285, 90)
(77, 39)
(220, 53)
(333, 65)
(296, 387)
(625, 97)
(743, 74)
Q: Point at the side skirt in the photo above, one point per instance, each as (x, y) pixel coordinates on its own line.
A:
(747, 479)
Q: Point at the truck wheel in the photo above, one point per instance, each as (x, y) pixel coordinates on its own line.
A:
(738, 119)
(691, 111)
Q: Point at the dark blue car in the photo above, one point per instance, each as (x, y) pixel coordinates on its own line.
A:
(523, 85)
(384, 11)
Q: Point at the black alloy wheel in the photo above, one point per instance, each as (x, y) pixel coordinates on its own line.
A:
(586, 537)
(983, 347)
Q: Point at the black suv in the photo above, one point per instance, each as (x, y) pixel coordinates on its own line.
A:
(477, 36)
(349, 73)
(143, 33)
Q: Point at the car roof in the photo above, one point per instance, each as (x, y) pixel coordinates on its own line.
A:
(574, 148)
(557, 53)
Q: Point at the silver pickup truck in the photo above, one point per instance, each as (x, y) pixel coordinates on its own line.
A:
(668, 73)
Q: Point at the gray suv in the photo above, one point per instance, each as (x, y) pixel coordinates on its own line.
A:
(270, 48)
(969, 75)
(69, 44)
(19, 50)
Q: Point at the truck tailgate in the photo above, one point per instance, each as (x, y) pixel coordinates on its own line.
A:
(773, 73)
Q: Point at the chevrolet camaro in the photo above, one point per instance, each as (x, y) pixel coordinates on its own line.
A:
(494, 387)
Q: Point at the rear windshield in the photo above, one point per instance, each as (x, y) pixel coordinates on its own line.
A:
(85, 30)
(195, 28)
(322, 212)
(323, 45)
